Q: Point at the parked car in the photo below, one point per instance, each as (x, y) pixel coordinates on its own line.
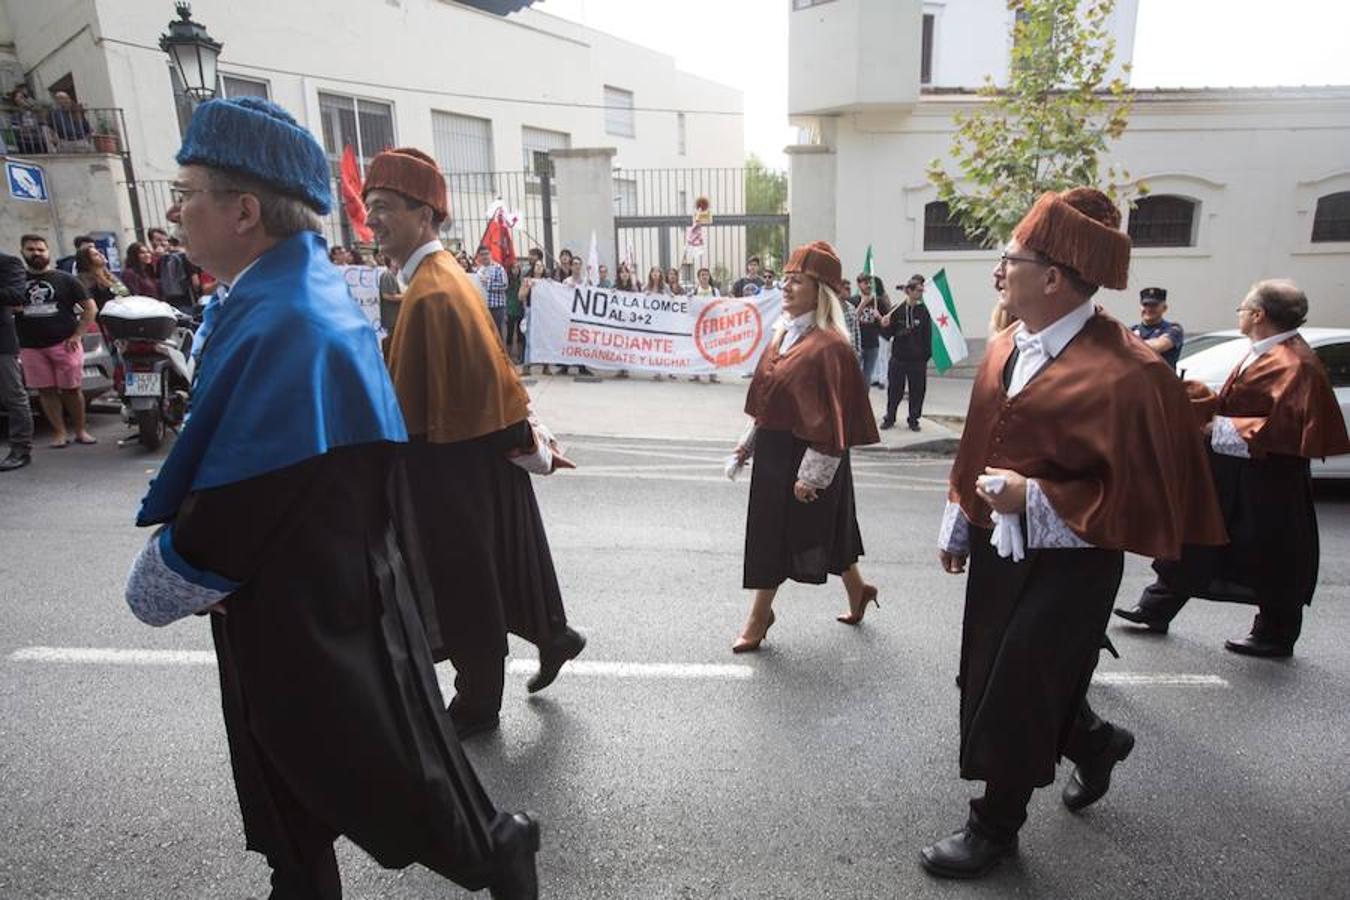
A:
(98, 367)
(1209, 358)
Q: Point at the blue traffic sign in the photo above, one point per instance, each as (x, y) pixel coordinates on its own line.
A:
(26, 181)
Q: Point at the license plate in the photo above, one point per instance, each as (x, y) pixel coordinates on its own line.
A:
(143, 384)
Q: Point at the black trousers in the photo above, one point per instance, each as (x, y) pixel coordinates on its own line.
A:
(999, 814)
(1280, 623)
(902, 374)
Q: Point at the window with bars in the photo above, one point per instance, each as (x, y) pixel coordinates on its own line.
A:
(1163, 220)
(367, 125)
(942, 232)
(620, 116)
(1331, 221)
(463, 146)
(226, 86)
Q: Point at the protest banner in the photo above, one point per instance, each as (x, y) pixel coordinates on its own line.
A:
(656, 333)
(364, 283)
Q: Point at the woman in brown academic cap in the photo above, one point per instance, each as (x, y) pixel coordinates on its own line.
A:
(809, 406)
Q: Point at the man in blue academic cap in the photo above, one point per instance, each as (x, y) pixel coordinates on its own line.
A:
(277, 512)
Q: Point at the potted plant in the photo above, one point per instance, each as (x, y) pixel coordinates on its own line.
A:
(105, 135)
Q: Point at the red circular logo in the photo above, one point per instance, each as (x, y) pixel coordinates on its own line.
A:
(727, 331)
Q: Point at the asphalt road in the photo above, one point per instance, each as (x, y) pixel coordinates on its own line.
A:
(815, 769)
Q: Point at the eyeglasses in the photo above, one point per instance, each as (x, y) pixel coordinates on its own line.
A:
(1008, 257)
(178, 196)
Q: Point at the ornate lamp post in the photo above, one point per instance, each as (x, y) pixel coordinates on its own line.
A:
(194, 54)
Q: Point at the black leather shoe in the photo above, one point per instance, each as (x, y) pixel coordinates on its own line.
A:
(965, 854)
(1090, 782)
(467, 726)
(515, 843)
(913, 426)
(888, 422)
(565, 647)
(1252, 645)
(1141, 616)
(15, 460)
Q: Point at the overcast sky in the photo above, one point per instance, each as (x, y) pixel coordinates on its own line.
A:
(1178, 43)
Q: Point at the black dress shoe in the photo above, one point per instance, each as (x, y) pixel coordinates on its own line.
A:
(965, 854)
(887, 422)
(566, 646)
(515, 843)
(1252, 645)
(15, 460)
(467, 726)
(913, 426)
(1090, 781)
(1141, 616)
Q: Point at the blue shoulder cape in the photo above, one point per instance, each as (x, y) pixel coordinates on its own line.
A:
(290, 370)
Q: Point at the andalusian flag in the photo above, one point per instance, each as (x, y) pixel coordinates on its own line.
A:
(949, 344)
(867, 263)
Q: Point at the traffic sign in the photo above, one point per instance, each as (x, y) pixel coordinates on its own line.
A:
(26, 181)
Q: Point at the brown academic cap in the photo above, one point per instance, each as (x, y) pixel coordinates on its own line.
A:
(818, 260)
(410, 172)
(1079, 228)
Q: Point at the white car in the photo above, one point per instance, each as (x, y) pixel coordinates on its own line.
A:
(1209, 358)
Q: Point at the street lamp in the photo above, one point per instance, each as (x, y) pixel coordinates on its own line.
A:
(193, 53)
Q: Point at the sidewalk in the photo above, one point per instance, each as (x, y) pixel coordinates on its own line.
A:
(639, 407)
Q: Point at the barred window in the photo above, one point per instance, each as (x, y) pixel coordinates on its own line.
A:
(368, 125)
(463, 146)
(942, 232)
(1331, 222)
(620, 118)
(1163, 220)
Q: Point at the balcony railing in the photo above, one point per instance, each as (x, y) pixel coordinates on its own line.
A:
(37, 130)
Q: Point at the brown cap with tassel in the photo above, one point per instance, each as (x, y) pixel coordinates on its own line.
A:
(1079, 228)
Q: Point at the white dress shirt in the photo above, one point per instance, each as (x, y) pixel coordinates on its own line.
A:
(1224, 437)
(405, 274)
(1034, 351)
(1265, 345)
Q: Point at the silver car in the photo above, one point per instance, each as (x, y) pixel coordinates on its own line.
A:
(98, 367)
(1210, 358)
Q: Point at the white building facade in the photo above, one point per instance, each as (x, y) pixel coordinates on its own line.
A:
(483, 93)
(1243, 184)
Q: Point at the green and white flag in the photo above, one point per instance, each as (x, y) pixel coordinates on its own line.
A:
(867, 263)
(949, 344)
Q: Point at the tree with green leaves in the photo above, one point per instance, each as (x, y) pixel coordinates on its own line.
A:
(765, 192)
(1048, 129)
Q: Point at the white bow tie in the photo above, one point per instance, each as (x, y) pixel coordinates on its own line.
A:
(1029, 343)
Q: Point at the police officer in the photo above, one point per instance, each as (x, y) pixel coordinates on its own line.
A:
(1163, 336)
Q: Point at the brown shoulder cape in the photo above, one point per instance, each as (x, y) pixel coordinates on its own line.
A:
(1107, 430)
(452, 374)
(815, 391)
(1283, 403)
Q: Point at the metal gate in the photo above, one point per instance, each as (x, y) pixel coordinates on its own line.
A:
(655, 207)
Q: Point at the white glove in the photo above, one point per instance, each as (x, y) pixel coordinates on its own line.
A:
(1007, 539)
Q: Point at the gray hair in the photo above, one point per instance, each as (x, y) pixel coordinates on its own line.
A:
(1283, 302)
(282, 215)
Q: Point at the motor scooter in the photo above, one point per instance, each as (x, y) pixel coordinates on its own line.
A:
(153, 375)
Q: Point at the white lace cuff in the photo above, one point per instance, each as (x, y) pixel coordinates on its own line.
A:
(163, 587)
(954, 533)
(1226, 440)
(817, 469)
(1045, 529)
(747, 438)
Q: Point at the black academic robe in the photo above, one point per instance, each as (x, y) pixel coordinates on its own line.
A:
(334, 718)
(484, 547)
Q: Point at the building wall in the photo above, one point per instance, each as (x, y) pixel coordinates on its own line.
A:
(425, 47)
(84, 198)
(1256, 160)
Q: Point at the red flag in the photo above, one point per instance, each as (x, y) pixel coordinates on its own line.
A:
(497, 238)
(350, 181)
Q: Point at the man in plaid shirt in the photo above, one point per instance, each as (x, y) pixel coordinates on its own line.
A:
(492, 283)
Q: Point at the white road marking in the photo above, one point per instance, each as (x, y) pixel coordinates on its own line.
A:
(131, 657)
(1180, 679)
(638, 670)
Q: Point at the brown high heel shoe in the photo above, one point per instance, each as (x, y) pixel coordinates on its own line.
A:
(746, 645)
(869, 595)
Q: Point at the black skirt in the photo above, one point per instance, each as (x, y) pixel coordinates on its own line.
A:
(1273, 556)
(483, 547)
(1029, 644)
(785, 538)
